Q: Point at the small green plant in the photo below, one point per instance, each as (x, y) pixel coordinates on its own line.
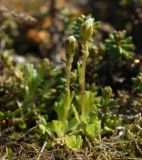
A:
(62, 108)
(119, 46)
(86, 33)
(76, 111)
(73, 142)
(138, 82)
(109, 119)
(70, 46)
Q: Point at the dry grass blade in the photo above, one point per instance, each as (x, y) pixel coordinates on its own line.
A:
(41, 151)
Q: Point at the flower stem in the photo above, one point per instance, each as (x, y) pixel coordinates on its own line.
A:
(68, 93)
(82, 77)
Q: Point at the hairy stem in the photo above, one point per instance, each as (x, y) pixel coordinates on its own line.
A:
(68, 93)
(82, 77)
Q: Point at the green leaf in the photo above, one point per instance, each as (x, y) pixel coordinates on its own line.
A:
(72, 125)
(1, 116)
(75, 112)
(59, 127)
(113, 121)
(94, 129)
(43, 126)
(59, 107)
(21, 123)
(73, 141)
(7, 114)
(17, 112)
(89, 104)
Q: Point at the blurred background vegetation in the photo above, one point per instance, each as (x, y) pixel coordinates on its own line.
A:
(45, 37)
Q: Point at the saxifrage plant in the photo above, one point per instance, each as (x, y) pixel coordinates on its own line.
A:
(78, 111)
(119, 46)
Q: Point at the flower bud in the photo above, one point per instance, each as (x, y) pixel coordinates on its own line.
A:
(70, 45)
(87, 29)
